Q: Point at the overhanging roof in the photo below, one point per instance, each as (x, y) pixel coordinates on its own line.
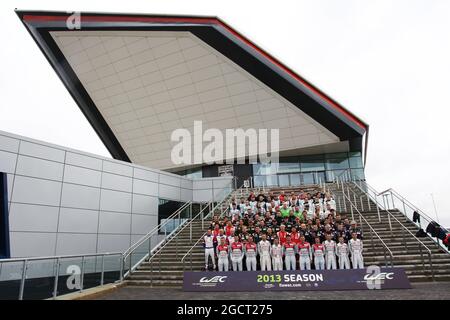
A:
(323, 116)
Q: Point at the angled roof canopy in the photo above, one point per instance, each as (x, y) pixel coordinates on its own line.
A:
(138, 77)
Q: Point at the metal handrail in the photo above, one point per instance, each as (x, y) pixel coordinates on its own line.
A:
(390, 215)
(405, 203)
(56, 257)
(189, 223)
(57, 261)
(167, 239)
(155, 230)
(362, 218)
(189, 252)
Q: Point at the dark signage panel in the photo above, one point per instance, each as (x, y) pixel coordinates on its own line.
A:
(370, 278)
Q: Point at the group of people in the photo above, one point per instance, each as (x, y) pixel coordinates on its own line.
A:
(283, 232)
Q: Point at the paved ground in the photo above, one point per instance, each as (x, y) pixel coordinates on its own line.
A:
(420, 291)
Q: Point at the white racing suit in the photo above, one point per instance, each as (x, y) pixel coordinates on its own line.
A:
(277, 257)
(319, 260)
(264, 249)
(289, 251)
(237, 254)
(304, 251)
(342, 253)
(330, 254)
(209, 250)
(356, 249)
(222, 254)
(250, 256)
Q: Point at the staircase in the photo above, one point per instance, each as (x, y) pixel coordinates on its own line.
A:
(166, 269)
(404, 247)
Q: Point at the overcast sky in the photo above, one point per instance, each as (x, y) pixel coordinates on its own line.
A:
(386, 61)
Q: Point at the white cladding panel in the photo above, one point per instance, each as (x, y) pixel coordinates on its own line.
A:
(147, 84)
(63, 201)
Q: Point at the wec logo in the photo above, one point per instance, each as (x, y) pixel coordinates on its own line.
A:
(381, 276)
(215, 279)
(375, 278)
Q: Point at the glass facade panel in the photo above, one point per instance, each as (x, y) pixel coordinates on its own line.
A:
(283, 180)
(265, 169)
(289, 167)
(272, 180)
(333, 164)
(259, 181)
(307, 178)
(295, 179)
(312, 165)
(358, 174)
(313, 169)
(355, 162)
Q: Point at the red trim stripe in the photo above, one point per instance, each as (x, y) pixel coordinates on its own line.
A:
(200, 20)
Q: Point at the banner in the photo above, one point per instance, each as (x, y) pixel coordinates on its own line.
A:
(372, 277)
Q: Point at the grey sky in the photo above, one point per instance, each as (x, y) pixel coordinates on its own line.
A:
(386, 61)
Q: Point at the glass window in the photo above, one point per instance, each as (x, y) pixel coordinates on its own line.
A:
(354, 154)
(312, 165)
(307, 178)
(355, 162)
(295, 179)
(333, 164)
(289, 167)
(341, 155)
(319, 177)
(194, 174)
(331, 175)
(358, 174)
(165, 209)
(283, 180)
(259, 181)
(272, 180)
(262, 169)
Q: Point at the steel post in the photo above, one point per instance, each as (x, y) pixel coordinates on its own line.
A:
(55, 283)
(102, 277)
(23, 278)
(82, 273)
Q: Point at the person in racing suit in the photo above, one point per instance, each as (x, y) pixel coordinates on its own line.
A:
(277, 255)
(356, 249)
(251, 250)
(305, 254)
(264, 249)
(221, 236)
(342, 253)
(330, 252)
(237, 254)
(319, 252)
(222, 252)
(282, 234)
(289, 252)
(208, 244)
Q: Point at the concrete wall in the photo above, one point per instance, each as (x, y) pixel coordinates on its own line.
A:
(64, 201)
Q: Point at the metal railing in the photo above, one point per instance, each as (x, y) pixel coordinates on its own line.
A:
(386, 251)
(422, 247)
(78, 271)
(222, 212)
(201, 216)
(143, 247)
(390, 196)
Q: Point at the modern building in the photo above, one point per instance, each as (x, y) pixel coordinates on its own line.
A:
(137, 78)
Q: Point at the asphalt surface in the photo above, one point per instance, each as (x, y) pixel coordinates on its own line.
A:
(419, 291)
